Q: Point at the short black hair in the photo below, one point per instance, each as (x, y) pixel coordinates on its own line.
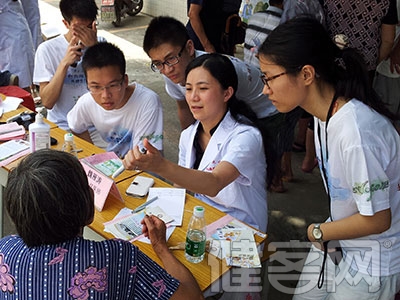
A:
(103, 54)
(48, 198)
(164, 30)
(83, 9)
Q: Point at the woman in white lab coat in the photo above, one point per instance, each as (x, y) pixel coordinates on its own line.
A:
(221, 155)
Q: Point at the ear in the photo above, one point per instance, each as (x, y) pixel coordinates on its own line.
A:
(228, 93)
(308, 74)
(190, 48)
(66, 23)
(126, 79)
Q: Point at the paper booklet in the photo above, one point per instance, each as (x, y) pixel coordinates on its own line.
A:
(233, 240)
(238, 247)
(12, 150)
(127, 225)
(98, 168)
(11, 131)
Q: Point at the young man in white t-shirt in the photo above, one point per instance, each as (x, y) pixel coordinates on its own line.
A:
(58, 69)
(123, 114)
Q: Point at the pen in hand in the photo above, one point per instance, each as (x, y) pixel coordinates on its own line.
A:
(143, 206)
(118, 172)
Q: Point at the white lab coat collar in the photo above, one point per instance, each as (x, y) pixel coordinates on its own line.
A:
(214, 145)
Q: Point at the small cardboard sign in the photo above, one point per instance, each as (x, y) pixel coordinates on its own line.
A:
(102, 186)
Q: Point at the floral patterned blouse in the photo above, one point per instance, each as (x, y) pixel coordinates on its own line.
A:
(80, 269)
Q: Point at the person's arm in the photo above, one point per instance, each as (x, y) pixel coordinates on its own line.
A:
(84, 135)
(197, 25)
(354, 226)
(50, 91)
(184, 114)
(208, 183)
(388, 33)
(154, 229)
(395, 58)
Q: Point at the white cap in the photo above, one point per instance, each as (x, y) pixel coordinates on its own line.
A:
(198, 211)
(69, 137)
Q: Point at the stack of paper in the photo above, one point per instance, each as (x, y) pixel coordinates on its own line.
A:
(233, 240)
(238, 247)
(11, 131)
(12, 150)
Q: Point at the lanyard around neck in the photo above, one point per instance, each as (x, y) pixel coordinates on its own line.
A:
(323, 167)
(328, 117)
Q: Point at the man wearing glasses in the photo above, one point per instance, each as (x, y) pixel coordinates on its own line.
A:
(167, 44)
(122, 114)
(170, 49)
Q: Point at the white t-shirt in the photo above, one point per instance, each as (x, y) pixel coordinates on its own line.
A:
(249, 89)
(141, 117)
(242, 146)
(364, 176)
(48, 56)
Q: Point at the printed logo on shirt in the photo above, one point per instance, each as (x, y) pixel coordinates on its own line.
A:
(367, 188)
(152, 137)
(211, 166)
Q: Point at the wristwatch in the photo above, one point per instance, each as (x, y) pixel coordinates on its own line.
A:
(317, 233)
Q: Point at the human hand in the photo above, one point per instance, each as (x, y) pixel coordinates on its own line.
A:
(209, 48)
(151, 160)
(87, 36)
(74, 52)
(155, 229)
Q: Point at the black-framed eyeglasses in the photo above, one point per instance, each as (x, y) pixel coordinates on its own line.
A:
(159, 66)
(112, 87)
(265, 79)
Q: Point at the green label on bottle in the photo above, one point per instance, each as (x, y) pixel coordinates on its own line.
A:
(195, 248)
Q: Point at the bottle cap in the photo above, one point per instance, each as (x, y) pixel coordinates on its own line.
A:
(198, 211)
(69, 137)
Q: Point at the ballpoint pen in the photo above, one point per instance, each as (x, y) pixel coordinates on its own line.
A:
(142, 150)
(118, 172)
(143, 206)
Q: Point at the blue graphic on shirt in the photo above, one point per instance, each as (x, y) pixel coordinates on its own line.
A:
(336, 191)
(119, 141)
(75, 76)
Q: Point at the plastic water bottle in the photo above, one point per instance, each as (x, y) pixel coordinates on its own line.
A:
(39, 132)
(196, 236)
(69, 145)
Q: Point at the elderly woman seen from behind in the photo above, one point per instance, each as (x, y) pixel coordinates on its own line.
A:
(50, 201)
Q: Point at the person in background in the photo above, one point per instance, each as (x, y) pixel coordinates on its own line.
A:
(49, 258)
(354, 20)
(259, 26)
(295, 8)
(167, 43)
(58, 68)
(387, 77)
(358, 151)
(32, 14)
(206, 24)
(217, 152)
(123, 114)
(16, 45)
